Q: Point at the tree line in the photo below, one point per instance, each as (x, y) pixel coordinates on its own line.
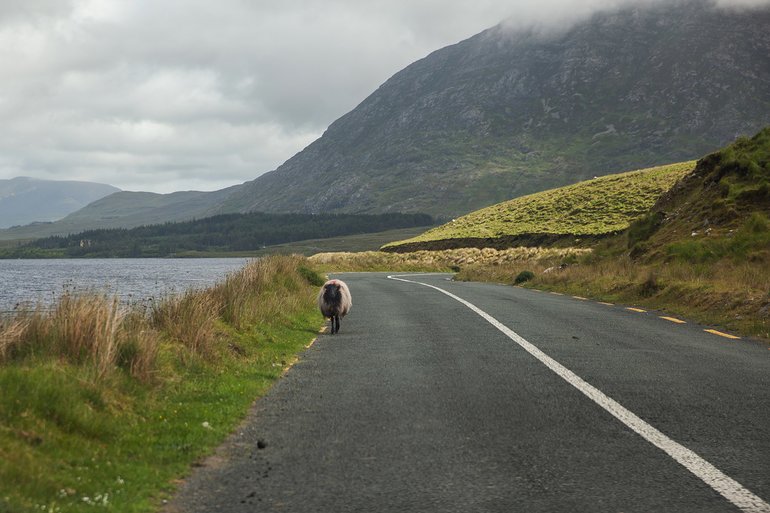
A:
(222, 233)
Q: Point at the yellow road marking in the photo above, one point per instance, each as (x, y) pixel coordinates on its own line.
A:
(603, 303)
(635, 309)
(725, 335)
(557, 293)
(673, 319)
(581, 298)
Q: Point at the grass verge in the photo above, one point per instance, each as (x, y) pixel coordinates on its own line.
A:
(105, 407)
(730, 294)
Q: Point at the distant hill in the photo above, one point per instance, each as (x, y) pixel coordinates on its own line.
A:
(507, 113)
(127, 210)
(27, 200)
(587, 210)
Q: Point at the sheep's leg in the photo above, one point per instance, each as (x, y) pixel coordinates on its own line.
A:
(337, 319)
(332, 323)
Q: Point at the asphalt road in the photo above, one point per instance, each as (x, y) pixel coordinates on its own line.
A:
(421, 404)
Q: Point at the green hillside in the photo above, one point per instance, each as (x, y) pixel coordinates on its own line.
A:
(720, 211)
(126, 209)
(592, 208)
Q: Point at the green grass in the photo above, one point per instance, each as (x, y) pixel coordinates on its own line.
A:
(749, 241)
(595, 207)
(75, 440)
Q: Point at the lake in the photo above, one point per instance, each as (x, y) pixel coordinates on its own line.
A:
(132, 279)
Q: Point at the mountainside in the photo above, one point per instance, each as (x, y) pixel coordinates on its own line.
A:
(506, 113)
(127, 210)
(26, 200)
(591, 209)
(720, 210)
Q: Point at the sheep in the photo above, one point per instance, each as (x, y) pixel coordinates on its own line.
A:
(334, 301)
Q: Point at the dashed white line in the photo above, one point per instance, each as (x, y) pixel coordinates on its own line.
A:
(730, 489)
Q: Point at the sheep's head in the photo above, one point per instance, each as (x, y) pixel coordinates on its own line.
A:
(331, 292)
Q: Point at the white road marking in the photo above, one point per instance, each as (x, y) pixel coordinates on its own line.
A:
(730, 489)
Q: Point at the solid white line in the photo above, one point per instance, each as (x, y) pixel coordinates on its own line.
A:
(730, 489)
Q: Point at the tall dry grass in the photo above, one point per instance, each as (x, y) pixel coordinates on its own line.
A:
(139, 346)
(97, 331)
(82, 328)
(444, 260)
(85, 328)
(190, 319)
(261, 291)
(12, 332)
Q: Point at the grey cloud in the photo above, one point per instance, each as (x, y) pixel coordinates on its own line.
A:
(30, 11)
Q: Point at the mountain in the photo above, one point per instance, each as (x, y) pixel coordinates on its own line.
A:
(510, 112)
(26, 200)
(507, 113)
(581, 212)
(126, 209)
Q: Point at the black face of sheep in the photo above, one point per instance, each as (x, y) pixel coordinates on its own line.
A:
(334, 301)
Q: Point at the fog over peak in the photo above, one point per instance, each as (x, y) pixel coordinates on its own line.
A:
(190, 94)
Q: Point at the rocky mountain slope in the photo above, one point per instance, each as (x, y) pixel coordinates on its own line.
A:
(26, 200)
(506, 113)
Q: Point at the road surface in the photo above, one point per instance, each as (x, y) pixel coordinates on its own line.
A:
(482, 397)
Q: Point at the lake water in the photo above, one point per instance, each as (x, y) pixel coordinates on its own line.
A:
(132, 279)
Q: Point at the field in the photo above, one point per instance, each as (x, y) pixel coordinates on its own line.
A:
(595, 207)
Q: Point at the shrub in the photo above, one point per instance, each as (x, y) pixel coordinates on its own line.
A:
(523, 276)
(693, 251)
(644, 227)
(312, 277)
(650, 286)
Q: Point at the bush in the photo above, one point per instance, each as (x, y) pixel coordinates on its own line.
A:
(643, 228)
(523, 276)
(693, 251)
(650, 286)
(312, 277)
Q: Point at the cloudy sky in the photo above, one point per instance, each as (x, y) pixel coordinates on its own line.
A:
(166, 95)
